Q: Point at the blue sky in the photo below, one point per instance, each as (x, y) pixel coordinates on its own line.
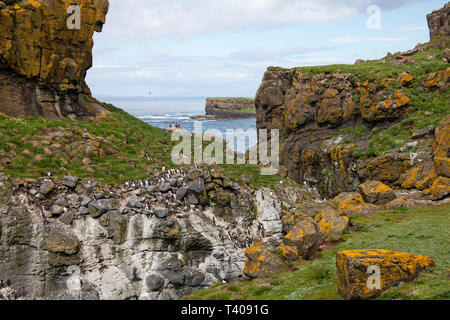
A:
(201, 48)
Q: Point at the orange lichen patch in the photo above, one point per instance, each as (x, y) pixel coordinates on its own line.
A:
(433, 80)
(376, 192)
(447, 75)
(305, 236)
(348, 204)
(401, 99)
(411, 178)
(395, 268)
(387, 82)
(427, 181)
(418, 178)
(331, 225)
(261, 260)
(338, 154)
(405, 79)
(290, 253)
(440, 188)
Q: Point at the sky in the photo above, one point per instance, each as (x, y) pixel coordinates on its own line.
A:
(221, 48)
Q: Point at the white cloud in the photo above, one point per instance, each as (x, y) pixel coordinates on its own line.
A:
(182, 18)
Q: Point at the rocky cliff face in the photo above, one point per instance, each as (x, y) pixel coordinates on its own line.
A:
(230, 108)
(439, 22)
(159, 238)
(310, 109)
(43, 64)
(325, 120)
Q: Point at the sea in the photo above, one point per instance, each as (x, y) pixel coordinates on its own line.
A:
(163, 112)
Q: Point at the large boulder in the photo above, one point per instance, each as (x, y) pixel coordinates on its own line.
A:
(365, 274)
(262, 260)
(420, 177)
(440, 188)
(376, 192)
(306, 236)
(331, 225)
(350, 204)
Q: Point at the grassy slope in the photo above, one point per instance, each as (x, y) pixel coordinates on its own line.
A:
(130, 137)
(422, 231)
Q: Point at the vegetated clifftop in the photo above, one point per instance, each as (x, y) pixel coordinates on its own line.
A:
(230, 108)
(345, 124)
(43, 64)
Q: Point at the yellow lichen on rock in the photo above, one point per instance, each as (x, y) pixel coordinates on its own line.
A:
(419, 178)
(46, 61)
(376, 192)
(433, 80)
(405, 79)
(331, 225)
(358, 276)
(440, 188)
(261, 260)
(290, 253)
(306, 236)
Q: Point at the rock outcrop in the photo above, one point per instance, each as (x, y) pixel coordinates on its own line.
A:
(310, 111)
(159, 238)
(43, 63)
(365, 274)
(439, 22)
(230, 108)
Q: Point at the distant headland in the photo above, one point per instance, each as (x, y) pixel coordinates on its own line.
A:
(230, 108)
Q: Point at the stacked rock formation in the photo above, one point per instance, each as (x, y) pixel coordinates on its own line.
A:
(43, 63)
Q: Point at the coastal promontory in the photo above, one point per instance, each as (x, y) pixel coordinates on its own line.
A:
(230, 108)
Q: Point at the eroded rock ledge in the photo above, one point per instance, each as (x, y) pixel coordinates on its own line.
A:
(43, 64)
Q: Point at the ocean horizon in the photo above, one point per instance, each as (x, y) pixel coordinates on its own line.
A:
(161, 112)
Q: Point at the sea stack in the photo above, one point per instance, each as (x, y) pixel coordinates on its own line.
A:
(43, 62)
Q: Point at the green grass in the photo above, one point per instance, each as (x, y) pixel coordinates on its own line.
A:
(422, 231)
(254, 172)
(129, 137)
(126, 135)
(248, 110)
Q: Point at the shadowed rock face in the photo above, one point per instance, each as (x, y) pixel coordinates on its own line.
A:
(43, 63)
(438, 22)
